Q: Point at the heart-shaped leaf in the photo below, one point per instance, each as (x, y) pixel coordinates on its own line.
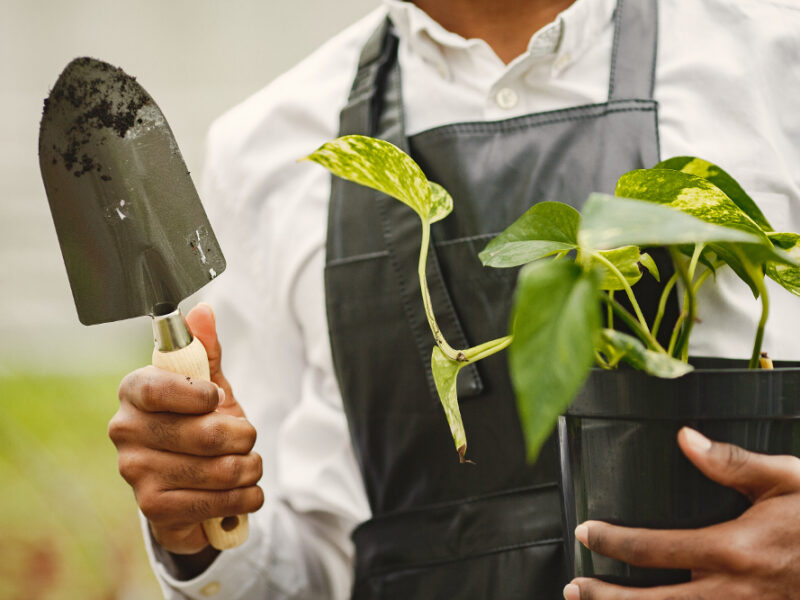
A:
(556, 319)
(543, 230)
(445, 374)
(384, 167)
(786, 275)
(635, 353)
(716, 175)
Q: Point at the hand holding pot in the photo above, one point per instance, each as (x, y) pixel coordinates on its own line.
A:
(754, 556)
(185, 447)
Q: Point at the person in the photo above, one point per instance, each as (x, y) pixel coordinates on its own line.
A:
(504, 102)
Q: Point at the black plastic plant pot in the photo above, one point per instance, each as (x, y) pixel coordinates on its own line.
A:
(621, 462)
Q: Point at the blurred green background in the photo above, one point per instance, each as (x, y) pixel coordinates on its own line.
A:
(69, 523)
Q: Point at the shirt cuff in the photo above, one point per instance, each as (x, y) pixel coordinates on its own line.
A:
(230, 576)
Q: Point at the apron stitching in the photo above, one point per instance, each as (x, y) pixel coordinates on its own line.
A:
(357, 258)
(504, 126)
(434, 563)
(617, 22)
(459, 502)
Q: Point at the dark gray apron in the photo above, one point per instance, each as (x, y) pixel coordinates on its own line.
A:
(442, 529)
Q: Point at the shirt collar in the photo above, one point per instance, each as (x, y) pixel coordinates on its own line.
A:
(566, 38)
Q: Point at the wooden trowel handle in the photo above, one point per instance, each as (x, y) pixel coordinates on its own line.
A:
(172, 354)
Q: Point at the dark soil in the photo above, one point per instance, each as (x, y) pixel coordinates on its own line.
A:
(96, 99)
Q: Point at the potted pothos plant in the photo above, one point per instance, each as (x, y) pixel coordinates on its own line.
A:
(617, 426)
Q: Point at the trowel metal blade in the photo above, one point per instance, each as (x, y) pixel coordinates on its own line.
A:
(133, 233)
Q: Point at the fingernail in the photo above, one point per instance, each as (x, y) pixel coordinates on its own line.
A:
(582, 533)
(221, 396)
(697, 441)
(572, 592)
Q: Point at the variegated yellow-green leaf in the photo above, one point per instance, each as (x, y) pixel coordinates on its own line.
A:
(381, 166)
(688, 193)
(556, 319)
(721, 179)
(634, 352)
(441, 203)
(626, 260)
(445, 374)
(702, 199)
(543, 230)
(786, 275)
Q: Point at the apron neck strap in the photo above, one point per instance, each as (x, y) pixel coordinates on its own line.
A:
(633, 55)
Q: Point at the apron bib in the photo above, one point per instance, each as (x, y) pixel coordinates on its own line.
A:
(441, 529)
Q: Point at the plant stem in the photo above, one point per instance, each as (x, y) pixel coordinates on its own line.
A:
(610, 311)
(662, 303)
(681, 349)
(448, 350)
(642, 332)
(625, 285)
(757, 275)
(477, 353)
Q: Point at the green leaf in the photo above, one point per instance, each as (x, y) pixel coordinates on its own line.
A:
(691, 194)
(702, 199)
(716, 175)
(445, 374)
(384, 167)
(441, 203)
(544, 229)
(786, 275)
(611, 222)
(648, 263)
(626, 260)
(635, 353)
(556, 319)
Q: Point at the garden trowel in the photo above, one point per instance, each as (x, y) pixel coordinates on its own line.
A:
(133, 233)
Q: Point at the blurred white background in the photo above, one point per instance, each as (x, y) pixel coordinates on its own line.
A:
(196, 58)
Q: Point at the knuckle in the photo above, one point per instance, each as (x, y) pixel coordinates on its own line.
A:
(229, 470)
(258, 500)
(738, 554)
(250, 435)
(131, 467)
(259, 465)
(214, 436)
(208, 398)
(735, 457)
(154, 506)
(791, 466)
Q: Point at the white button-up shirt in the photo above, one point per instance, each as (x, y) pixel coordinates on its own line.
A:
(728, 87)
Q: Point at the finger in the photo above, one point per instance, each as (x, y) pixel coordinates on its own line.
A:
(181, 471)
(758, 476)
(214, 434)
(706, 548)
(177, 507)
(186, 539)
(583, 588)
(153, 390)
(202, 323)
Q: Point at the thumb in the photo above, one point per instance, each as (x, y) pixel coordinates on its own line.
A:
(757, 476)
(203, 326)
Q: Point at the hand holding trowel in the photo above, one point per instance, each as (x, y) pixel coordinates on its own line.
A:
(134, 236)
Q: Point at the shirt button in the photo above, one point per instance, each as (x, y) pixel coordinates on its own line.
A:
(563, 62)
(211, 589)
(506, 98)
